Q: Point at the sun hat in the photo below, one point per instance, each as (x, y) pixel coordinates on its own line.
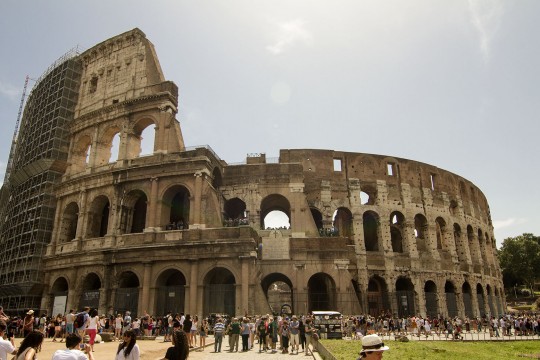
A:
(30, 312)
(373, 343)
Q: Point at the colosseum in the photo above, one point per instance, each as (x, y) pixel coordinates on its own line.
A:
(180, 229)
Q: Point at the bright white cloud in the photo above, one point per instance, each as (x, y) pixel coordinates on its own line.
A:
(289, 34)
(486, 17)
(9, 91)
(501, 224)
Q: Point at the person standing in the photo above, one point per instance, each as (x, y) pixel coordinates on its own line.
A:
(70, 318)
(128, 349)
(309, 330)
(118, 327)
(193, 332)
(219, 329)
(92, 325)
(6, 346)
(187, 327)
(245, 331)
(261, 334)
(295, 334)
(28, 323)
(234, 334)
(30, 346)
(203, 333)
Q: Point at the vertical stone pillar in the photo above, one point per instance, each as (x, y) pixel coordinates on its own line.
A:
(409, 239)
(245, 286)
(147, 277)
(152, 215)
(193, 276)
(474, 300)
(56, 229)
(301, 305)
(197, 200)
(82, 221)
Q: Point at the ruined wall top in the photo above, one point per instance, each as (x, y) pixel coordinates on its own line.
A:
(118, 69)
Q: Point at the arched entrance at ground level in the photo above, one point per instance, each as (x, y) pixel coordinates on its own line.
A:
(490, 300)
(378, 300)
(467, 299)
(219, 292)
(127, 294)
(170, 294)
(405, 297)
(480, 299)
(451, 301)
(90, 291)
(432, 301)
(59, 291)
(321, 293)
(278, 290)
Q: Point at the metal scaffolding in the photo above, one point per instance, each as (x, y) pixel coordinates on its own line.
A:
(37, 163)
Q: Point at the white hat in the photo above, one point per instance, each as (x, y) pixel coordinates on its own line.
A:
(30, 312)
(373, 343)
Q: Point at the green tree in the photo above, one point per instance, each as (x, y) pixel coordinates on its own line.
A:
(519, 258)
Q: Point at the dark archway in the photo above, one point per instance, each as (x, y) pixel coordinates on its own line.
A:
(451, 301)
(440, 229)
(277, 288)
(432, 301)
(235, 212)
(467, 299)
(98, 217)
(378, 299)
(59, 292)
(127, 293)
(90, 291)
(175, 208)
(480, 300)
(171, 286)
(133, 214)
(371, 230)
(321, 292)
(219, 292)
(397, 220)
(343, 222)
(68, 227)
(405, 297)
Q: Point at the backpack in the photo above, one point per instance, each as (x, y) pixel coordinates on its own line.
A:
(79, 320)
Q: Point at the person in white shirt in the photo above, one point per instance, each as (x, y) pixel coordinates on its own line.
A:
(6, 346)
(92, 325)
(128, 349)
(75, 350)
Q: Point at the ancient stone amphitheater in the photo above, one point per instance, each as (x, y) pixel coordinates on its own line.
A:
(180, 229)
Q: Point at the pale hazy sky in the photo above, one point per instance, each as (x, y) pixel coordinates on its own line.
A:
(455, 84)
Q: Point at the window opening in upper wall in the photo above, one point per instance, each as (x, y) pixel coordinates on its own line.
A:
(432, 179)
(337, 164)
(364, 198)
(390, 169)
(115, 148)
(87, 155)
(93, 85)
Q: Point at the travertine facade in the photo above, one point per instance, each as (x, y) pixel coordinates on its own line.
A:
(182, 230)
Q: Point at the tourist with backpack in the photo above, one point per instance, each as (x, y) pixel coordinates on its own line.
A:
(80, 321)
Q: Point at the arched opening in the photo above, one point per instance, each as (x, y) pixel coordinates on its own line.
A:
(368, 195)
(457, 240)
(68, 226)
(432, 301)
(133, 214)
(440, 229)
(371, 230)
(217, 179)
(420, 232)
(453, 208)
(80, 154)
(105, 146)
(396, 227)
(98, 217)
(317, 218)
(364, 198)
(321, 292)
(472, 247)
(467, 299)
(60, 293)
(90, 291)
(405, 297)
(480, 299)
(491, 302)
(175, 208)
(482, 244)
(451, 301)
(275, 212)
(147, 136)
(127, 293)
(235, 212)
(378, 299)
(171, 285)
(219, 292)
(343, 222)
(115, 148)
(278, 290)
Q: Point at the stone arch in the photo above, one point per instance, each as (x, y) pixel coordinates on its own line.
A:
(80, 154)
(460, 251)
(219, 292)
(491, 301)
(274, 202)
(217, 178)
(467, 299)
(68, 224)
(90, 291)
(432, 300)
(60, 286)
(170, 291)
(136, 141)
(59, 292)
(133, 213)
(235, 212)
(453, 208)
(277, 288)
(405, 296)
(371, 230)
(175, 207)
(127, 293)
(98, 217)
(318, 219)
(104, 145)
(440, 230)
(480, 299)
(377, 296)
(397, 222)
(343, 222)
(472, 244)
(451, 300)
(322, 293)
(368, 194)
(421, 232)
(482, 244)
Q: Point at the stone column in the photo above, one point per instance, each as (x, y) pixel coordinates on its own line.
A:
(82, 220)
(147, 277)
(194, 275)
(56, 229)
(197, 200)
(409, 239)
(153, 213)
(245, 285)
